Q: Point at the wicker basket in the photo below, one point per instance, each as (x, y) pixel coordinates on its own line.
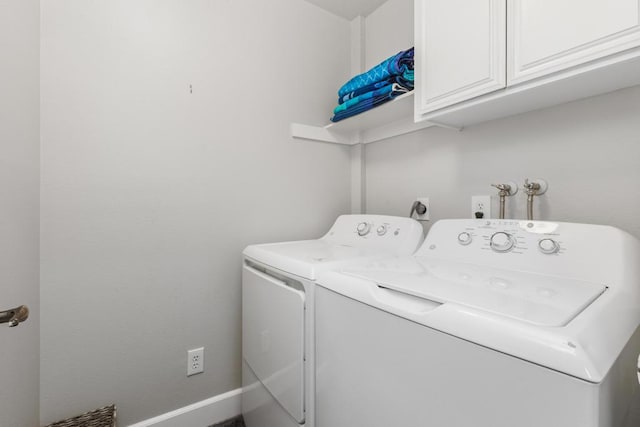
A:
(103, 417)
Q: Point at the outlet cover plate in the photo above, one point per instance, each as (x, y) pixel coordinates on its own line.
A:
(195, 361)
(481, 204)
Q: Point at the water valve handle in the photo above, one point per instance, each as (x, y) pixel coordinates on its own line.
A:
(505, 189)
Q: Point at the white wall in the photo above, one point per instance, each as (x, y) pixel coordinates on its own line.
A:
(19, 208)
(150, 192)
(588, 151)
(389, 29)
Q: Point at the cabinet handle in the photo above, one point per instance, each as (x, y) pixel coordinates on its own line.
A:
(14, 316)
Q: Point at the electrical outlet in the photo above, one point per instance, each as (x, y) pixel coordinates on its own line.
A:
(481, 204)
(195, 361)
(425, 216)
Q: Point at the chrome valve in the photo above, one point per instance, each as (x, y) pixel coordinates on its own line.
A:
(505, 190)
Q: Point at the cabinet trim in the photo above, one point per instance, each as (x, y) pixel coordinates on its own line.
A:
(598, 77)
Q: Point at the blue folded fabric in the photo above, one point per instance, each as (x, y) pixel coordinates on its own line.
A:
(406, 80)
(361, 107)
(367, 95)
(393, 66)
(367, 105)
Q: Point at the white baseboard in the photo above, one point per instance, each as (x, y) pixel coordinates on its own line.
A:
(200, 414)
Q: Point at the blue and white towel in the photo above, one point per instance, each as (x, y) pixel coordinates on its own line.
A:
(405, 80)
(384, 82)
(384, 90)
(393, 66)
(367, 105)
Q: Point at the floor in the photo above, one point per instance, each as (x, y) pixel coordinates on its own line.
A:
(233, 422)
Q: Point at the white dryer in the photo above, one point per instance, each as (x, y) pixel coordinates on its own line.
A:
(492, 323)
(277, 310)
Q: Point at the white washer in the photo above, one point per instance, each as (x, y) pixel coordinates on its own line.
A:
(492, 323)
(277, 310)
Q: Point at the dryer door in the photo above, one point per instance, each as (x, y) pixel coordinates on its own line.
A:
(273, 336)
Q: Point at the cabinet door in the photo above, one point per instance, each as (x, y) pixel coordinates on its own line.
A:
(545, 36)
(460, 51)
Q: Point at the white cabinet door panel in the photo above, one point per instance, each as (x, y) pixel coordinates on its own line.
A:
(460, 51)
(546, 36)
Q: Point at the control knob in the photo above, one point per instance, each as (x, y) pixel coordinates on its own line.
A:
(502, 242)
(363, 228)
(548, 246)
(464, 238)
(382, 230)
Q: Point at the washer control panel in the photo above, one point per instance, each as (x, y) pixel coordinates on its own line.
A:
(509, 237)
(501, 241)
(588, 252)
(548, 246)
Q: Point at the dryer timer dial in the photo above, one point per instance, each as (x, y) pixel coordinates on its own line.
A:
(363, 228)
(464, 238)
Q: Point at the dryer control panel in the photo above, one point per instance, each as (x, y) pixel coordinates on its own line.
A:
(391, 234)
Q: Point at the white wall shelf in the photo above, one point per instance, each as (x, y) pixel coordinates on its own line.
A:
(385, 121)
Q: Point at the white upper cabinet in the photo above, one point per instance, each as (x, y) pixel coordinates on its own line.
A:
(547, 36)
(480, 60)
(460, 51)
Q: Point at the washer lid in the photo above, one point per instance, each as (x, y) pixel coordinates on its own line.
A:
(533, 298)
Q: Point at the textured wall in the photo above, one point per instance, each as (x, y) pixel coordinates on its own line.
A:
(150, 192)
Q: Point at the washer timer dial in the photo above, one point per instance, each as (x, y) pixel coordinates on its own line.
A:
(382, 230)
(502, 242)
